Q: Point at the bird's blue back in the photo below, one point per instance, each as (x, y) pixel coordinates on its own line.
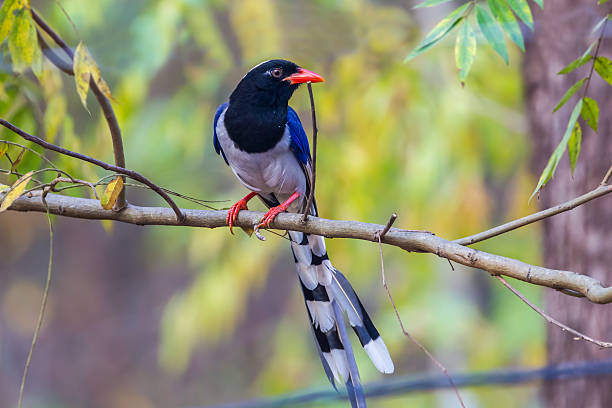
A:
(299, 141)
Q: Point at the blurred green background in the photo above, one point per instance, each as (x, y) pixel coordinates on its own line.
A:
(143, 317)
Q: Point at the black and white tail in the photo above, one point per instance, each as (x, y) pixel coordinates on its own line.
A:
(321, 284)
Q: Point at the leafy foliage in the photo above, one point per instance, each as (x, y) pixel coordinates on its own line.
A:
(16, 23)
(603, 66)
(590, 112)
(440, 31)
(491, 31)
(570, 92)
(492, 27)
(555, 158)
(465, 49)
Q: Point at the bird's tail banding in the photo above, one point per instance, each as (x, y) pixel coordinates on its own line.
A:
(321, 283)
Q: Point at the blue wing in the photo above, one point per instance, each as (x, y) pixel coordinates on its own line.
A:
(216, 143)
(299, 140)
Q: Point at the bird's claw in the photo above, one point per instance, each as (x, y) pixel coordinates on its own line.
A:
(269, 217)
(233, 211)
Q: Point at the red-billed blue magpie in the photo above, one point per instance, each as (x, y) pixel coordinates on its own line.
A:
(262, 139)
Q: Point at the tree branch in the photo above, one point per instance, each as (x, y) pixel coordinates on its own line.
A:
(105, 105)
(130, 173)
(530, 219)
(407, 240)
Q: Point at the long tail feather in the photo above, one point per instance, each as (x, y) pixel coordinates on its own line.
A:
(321, 284)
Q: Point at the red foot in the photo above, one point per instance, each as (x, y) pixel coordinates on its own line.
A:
(274, 211)
(232, 213)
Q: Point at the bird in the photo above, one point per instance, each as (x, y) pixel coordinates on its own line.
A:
(262, 140)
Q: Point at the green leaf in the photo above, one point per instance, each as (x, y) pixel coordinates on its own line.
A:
(600, 2)
(7, 17)
(590, 112)
(541, 3)
(521, 8)
(603, 66)
(555, 158)
(569, 93)
(491, 32)
(23, 43)
(573, 145)
(429, 3)
(439, 31)
(3, 149)
(465, 49)
(507, 21)
(600, 23)
(578, 62)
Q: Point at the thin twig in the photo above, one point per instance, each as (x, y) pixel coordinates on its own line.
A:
(103, 101)
(530, 219)
(550, 319)
(607, 177)
(104, 165)
(315, 131)
(379, 236)
(74, 27)
(595, 55)
(41, 314)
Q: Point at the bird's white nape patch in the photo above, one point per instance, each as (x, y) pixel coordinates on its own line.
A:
(322, 314)
(378, 353)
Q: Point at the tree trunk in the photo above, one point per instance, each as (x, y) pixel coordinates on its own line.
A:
(580, 240)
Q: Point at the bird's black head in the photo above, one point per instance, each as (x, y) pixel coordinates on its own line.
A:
(271, 83)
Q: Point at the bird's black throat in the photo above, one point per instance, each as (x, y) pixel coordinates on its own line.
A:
(253, 128)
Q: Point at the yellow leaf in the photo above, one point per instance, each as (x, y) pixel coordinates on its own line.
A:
(112, 191)
(100, 82)
(7, 17)
(3, 149)
(82, 72)
(85, 69)
(4, 187)
(23, 43)
(17, 189)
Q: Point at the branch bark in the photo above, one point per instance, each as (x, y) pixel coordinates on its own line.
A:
(412, 241)
(105, 105)
(130, 173)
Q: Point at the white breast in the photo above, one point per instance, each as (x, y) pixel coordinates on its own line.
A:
(276, 171)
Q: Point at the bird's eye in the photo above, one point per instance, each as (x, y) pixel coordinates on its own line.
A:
(276, 72)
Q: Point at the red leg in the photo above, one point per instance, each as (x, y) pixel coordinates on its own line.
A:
(232, 213)
(274, 211)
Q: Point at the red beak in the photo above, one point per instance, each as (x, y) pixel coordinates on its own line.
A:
(303, 76)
